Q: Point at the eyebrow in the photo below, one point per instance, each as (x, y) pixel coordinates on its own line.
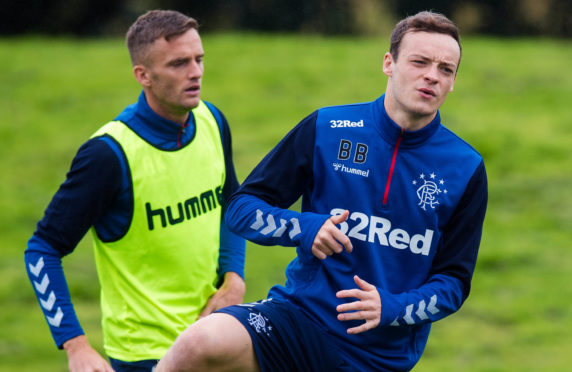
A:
(444, 63)
(178, 60)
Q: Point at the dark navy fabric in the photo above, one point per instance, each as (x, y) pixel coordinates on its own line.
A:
(285, 340)
(139, 366)
(417, 201)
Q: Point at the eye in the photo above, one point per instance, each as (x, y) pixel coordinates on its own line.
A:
(447, 70)
(178, 62)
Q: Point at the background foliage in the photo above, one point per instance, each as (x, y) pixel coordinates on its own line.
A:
(327, 17)
(511, 101)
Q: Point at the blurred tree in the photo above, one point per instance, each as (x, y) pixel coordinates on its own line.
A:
(78, 17)
(328, 17)
(498, 17)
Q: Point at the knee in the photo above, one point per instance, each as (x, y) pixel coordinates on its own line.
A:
(190, 352)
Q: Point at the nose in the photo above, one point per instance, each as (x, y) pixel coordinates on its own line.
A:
(196, 70)
(431, 73)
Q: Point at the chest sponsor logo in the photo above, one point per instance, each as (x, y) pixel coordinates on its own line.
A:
(429, 188)
(346, 124)
(374, 229)
(190, 208)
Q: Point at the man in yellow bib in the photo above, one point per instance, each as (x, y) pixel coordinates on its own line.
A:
(152, 187)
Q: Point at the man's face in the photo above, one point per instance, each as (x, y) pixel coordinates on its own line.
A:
(421, 77)
(171, 75)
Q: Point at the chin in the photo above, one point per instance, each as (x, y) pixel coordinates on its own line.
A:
(423, 112)
(191, 104)
(425, 108)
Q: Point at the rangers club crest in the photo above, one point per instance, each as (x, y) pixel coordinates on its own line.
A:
(258, 322)
(256, 319)
(429, 189)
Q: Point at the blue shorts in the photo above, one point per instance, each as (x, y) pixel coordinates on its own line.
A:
(140, 366)
(286, 340)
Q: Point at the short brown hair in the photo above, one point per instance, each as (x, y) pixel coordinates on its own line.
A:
(423, 21)
(153, 25)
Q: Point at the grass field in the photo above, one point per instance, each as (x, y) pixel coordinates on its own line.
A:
(512, 101)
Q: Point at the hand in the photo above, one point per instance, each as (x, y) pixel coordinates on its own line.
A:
(230, 293)
(368, 307)
(330, 239)
(83, 358)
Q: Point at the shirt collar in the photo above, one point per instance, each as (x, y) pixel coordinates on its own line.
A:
(155, 129)
(390, 131)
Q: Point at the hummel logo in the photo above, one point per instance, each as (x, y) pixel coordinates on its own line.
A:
(49, 303)
(421, 314)
(56, 319)
(360, 172)
(41, 287)
(37, 268)
(271, 225)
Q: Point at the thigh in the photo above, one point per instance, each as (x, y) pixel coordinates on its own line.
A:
(218, 342)
(231, 341)
(285, 340)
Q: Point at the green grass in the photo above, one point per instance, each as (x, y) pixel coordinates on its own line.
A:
(512, 101)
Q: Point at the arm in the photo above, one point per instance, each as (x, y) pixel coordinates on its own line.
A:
(78, 203)
(232, 247)
(231, 272)
(231, 292)
(82, 357)
(448, 284)
(258, 211)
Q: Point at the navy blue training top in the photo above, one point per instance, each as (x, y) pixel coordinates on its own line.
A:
(416, 204)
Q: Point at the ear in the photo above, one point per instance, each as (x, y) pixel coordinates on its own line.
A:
(142, 75)
(388, 64)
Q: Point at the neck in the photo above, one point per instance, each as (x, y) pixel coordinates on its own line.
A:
(409, 121)
(180, 117)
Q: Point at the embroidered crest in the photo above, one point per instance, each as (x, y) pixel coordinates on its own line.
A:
(258, 322)
(429, 190)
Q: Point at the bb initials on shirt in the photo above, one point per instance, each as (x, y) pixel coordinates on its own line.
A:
(345, 151)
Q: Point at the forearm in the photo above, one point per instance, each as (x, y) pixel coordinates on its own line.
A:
(233, 282)
(231, 253)
(258, 221)
(441, 296)
(44, 269)
(82, 357)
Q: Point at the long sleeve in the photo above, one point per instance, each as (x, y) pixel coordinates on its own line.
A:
(258, 221)
(44, 269)
(258, 211)
(92, 185)
(77, 205)
(449, 282)
(232, 247)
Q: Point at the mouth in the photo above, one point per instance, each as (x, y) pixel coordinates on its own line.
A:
(193, 89)
(427, 92)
